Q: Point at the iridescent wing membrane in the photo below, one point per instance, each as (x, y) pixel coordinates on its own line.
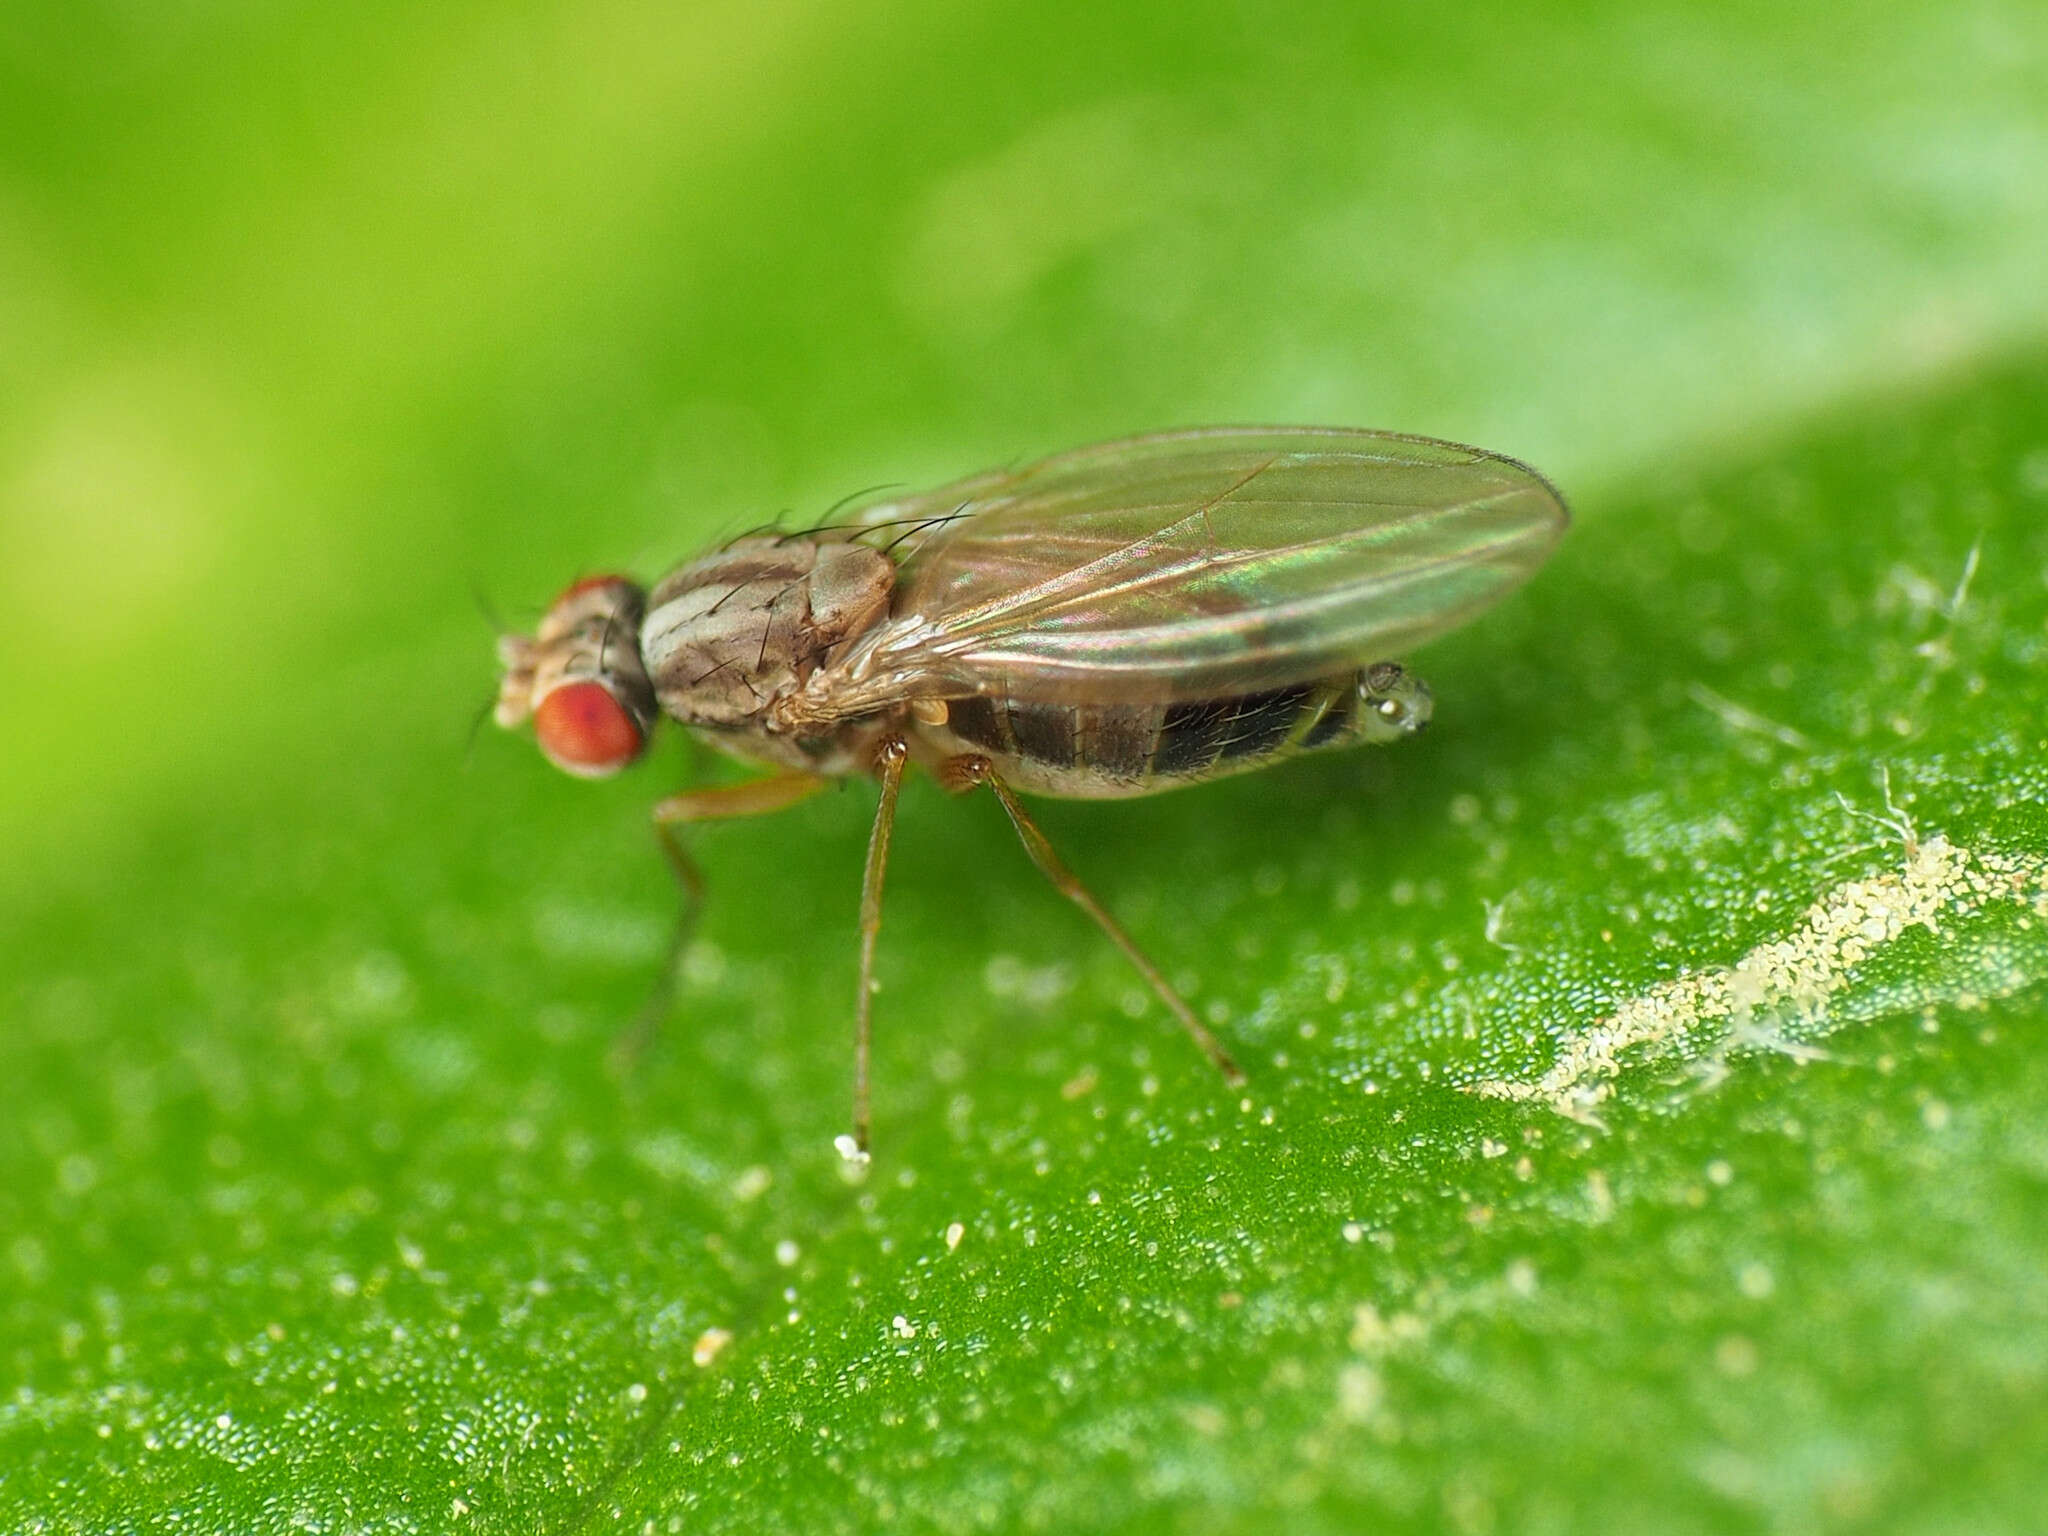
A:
(1195, 565)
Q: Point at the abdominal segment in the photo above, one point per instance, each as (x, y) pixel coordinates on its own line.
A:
(1103, 751)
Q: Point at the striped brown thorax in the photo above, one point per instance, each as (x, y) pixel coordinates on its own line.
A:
(728, 635)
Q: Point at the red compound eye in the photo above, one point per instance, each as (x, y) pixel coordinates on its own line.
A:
(585, 731)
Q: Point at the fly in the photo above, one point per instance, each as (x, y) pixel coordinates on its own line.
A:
(1115, 621)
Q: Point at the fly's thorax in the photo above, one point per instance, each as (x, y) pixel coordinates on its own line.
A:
(729, 635)
(580, 680)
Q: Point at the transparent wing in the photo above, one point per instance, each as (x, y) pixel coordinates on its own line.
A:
(1196, 565)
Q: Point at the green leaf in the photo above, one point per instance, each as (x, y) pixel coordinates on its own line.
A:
(1648, 1122)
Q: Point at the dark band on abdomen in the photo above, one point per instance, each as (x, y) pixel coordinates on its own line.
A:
(1133, 743)
(1194, 736)
(1114, 739)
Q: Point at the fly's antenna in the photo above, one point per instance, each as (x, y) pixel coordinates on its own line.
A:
(496, 620)
(486, 607)
(476, 725)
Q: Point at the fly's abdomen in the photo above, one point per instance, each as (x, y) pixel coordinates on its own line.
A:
(1103, 751)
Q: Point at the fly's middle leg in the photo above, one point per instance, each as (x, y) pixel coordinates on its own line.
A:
(890, 754)
(962, 773)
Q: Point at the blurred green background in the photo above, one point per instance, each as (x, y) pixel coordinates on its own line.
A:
(318, 1207)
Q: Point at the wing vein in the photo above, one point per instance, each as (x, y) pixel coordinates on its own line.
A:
(1192, 565)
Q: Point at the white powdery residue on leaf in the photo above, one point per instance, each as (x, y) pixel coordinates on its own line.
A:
(1798, 975)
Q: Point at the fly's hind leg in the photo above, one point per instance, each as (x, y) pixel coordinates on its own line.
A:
(757, 797)
(966, 772)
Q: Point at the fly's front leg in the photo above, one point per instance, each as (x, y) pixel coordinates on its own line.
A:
(758, 797)
(966, 772)
(890, 755)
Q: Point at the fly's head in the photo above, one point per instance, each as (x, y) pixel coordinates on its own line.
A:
(1392, 702)
(580, 679)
